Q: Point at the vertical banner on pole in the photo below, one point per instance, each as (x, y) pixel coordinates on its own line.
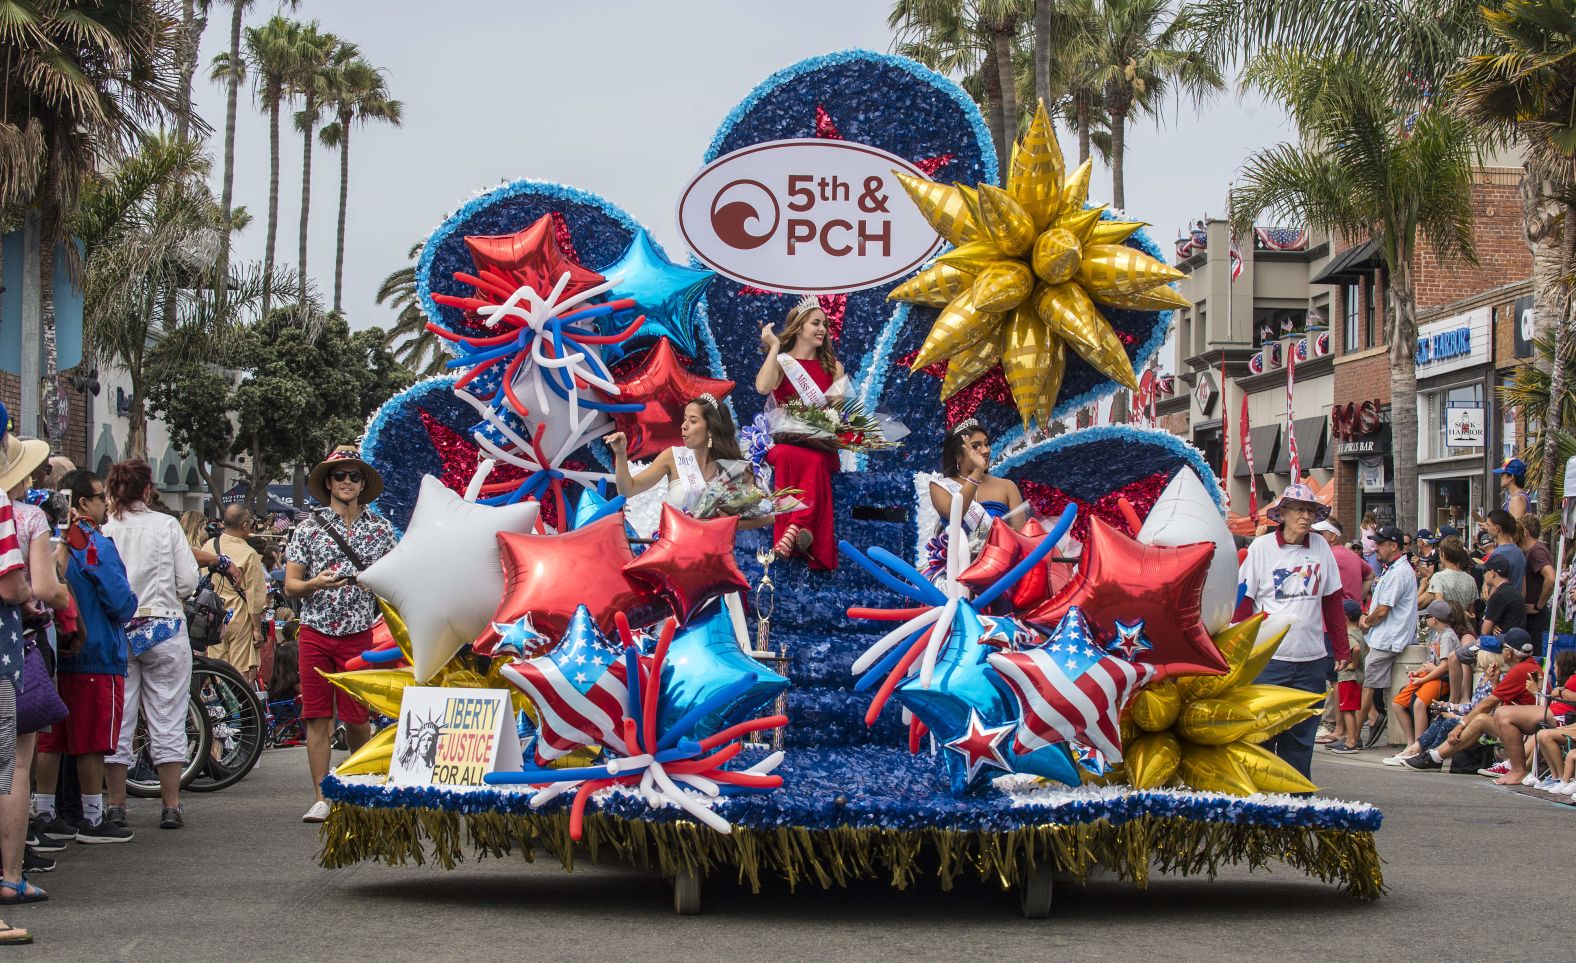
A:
(1225, 436)
(1293, 460)
(1247, 456)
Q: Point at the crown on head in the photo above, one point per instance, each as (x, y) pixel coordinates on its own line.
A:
(708, 399)
(966, 425)
(806, 302)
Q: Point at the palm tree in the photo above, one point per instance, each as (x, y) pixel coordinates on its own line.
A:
(356, 93)
(310, 82)
(414, 346)
(193, 23)
(81, 79)
(1360, 174)
(1524, 88)
(1140, 52)
(274, 53)
(149, 227)
(1530, 389)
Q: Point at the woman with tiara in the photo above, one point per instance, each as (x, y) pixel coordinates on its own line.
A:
(800, 364)
(965, 458)
(709, 457)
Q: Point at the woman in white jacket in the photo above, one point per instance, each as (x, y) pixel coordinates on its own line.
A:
(163, 572)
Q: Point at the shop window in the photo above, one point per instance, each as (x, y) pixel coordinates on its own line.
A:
(1448, 410)
(1507, 432)
(1368, 312)
(1349, 319)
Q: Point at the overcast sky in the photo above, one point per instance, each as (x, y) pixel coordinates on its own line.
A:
(620, 98)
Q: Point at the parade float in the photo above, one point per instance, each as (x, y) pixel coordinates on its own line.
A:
(600, 678)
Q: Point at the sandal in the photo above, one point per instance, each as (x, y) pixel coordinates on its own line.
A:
(13, 935)
(21, 892)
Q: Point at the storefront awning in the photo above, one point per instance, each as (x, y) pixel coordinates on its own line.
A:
(1266, 448)
(1349, 266)
(1311, 447)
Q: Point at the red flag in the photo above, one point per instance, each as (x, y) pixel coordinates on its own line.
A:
(1225, 437)
(1247, 456)
(1291, 434)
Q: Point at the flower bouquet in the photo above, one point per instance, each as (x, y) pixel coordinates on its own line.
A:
(739, 495)
(835, 426)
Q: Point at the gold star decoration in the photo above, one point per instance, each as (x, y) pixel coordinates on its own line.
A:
(1025, 282)
(1203, 731)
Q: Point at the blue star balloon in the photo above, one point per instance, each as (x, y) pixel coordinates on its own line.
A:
(665, 292)
(1006, 632)
(1130, 640)
(704, 660)
(965, 707)
(577, 688)
(517, 638)
(593, 505)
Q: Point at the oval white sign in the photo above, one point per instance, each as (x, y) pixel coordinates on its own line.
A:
(808, 216)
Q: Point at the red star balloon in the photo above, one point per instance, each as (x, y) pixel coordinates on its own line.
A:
(531, 256)
(1121, 578)
(691, 562)
(666, 387)
(549, 576)
(1003, 549)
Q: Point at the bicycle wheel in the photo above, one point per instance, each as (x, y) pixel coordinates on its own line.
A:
(142, 779)
(236, 719)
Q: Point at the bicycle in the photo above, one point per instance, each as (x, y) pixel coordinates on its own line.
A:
(225, 729)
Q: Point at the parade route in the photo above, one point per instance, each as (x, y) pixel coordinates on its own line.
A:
(240, 884)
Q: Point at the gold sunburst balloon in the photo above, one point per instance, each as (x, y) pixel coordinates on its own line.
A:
(1203, 731)
(383, 690)
(1026, 281)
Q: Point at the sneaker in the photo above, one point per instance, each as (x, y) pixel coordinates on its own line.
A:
(115, 815)
(1497, 769)
(35, 862)
(172, 818)
(1423, 761)
(1395, 760)
(38, 840)
(1529, 780)
(102, 831)
(58, 828)
(1570, 788)
(318, 813)
(1343, 749)
(1375, 732)
(1549, 784)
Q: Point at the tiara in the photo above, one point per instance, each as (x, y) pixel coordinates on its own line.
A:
(707, 398)
(966, 425)
(808, 301)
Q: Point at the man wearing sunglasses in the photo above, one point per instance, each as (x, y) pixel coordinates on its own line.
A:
(330, 548)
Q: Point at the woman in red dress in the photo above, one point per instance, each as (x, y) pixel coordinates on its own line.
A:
(800, 364)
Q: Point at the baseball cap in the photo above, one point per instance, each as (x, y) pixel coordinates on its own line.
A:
(1512, 466)
(1490, 643)
(1390, 534)
(1518, 640)
(1439, 609)
(1328, 526)
(1425, 535)
(1353, 610)
(1499, 565)
(1484, 538)
(1447, 531)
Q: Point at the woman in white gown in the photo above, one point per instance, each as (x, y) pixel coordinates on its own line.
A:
(710, 453)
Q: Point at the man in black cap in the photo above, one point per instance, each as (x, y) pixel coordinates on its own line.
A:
(1390, 626)
(1505, 608)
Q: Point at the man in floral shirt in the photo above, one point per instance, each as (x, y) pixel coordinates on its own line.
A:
(329, 549)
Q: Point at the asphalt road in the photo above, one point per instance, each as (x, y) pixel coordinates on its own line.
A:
(1473, 873)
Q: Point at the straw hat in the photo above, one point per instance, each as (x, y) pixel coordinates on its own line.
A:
(20, 459)
(345, 456)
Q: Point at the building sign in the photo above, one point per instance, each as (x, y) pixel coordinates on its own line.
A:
(1523, 326)
(1453, 343)
(1205, 394)
(1464, 427)
(1359, 429)
(808, 216)
(453, 737)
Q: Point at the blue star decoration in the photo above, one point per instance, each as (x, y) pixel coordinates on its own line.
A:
(1005, 632)
(966, 697)
(1091, 759)
(584, 652)
(980, 746)
(1069, 691)
(1130, 640)
(665, 293)
(704, 660)
(518, 638)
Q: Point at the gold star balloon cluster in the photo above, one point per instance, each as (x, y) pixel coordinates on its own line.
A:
(1031, 269)
(1204, 731)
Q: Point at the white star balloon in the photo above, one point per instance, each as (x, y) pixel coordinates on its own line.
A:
(444, 576)
(1184, 514)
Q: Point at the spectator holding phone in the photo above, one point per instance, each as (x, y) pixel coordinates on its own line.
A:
(331, 546)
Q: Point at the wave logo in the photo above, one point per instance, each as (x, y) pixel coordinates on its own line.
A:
(738, 208)
(808, 216)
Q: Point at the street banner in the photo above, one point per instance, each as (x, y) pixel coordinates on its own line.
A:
(1247, 456)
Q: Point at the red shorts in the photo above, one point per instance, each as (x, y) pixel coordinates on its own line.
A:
(97, 703)
(319, 697)
(1350, 695)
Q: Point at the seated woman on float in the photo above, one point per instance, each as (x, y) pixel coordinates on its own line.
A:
(801, 365)
(965, 458)
(710, 455)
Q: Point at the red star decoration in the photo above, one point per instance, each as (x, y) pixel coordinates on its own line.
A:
(666, 386)
(1120, 578)
(533, 256)
(459, 456)
(835, 306)
(691, 562)
(548, 576)
(1003, 549)
(980, 745)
